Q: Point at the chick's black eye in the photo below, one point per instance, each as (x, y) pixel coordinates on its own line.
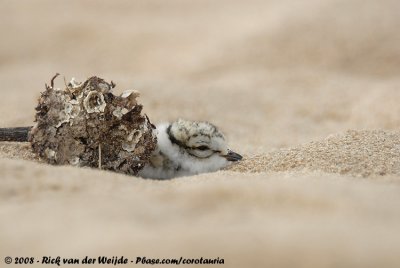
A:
(202, 148)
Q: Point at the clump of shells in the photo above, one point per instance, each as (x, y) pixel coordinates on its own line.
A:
(85, 124)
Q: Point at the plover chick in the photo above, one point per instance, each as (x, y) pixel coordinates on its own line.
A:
(188, 148)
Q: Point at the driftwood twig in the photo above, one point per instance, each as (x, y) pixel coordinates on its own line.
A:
(14, 134)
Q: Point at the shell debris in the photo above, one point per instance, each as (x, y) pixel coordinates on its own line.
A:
(73, 123)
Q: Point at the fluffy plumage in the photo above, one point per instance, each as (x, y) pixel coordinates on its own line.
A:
(188, 148)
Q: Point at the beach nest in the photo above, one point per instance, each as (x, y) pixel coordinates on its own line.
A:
(86, 125)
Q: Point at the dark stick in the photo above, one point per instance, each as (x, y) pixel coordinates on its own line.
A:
(52, 80)
(14, 134)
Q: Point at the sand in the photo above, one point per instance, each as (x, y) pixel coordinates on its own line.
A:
(358, 153)
(307, 90)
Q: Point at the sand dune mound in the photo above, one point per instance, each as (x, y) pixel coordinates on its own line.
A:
(358, 153)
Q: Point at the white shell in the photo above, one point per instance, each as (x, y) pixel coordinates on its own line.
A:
(119, 112)
(133, 138)
(100, 103)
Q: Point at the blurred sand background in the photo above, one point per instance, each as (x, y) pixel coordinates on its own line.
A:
(283, 79)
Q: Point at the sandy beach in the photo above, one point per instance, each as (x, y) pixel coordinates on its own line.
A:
(307, 91)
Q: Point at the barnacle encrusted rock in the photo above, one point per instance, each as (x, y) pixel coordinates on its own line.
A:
(87, 125)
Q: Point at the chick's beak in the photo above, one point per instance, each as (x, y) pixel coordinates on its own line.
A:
(232, 156)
